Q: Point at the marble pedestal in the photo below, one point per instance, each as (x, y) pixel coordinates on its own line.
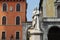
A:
(35, 34)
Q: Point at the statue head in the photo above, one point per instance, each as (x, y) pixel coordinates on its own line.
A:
(36, 11)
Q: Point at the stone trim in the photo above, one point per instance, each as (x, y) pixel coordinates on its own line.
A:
(57, 3)
(51, 20)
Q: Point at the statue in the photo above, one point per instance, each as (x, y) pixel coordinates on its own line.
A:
(35, 22)
(35, 31)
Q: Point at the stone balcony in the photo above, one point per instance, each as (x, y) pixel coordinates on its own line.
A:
(51, 19)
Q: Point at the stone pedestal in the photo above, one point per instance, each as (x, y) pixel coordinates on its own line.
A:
(35, 34)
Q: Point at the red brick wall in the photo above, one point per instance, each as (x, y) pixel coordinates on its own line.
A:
(11, 28)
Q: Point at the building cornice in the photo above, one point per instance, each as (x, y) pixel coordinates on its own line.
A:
(51, 19)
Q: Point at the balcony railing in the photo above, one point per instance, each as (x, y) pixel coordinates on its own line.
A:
(52, 19)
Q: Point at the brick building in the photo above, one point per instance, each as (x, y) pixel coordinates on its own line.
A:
(12, 14)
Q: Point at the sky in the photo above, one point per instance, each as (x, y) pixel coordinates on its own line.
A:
(30, 7)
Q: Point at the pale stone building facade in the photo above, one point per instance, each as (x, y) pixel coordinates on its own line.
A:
(26, 26)
(50, 19)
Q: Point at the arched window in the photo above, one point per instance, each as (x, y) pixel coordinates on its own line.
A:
(18, 7)
(17, 20)
(4, 7)
(4, 20)
(18, 0)
(58, 11)
(54, 33)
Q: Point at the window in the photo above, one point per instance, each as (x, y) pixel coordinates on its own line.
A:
(7, 0)
(4, 7)
(13, 0)
(3, 35)
(4, 0)
(58, 11)
(17, 35)
(10, 0)
(17, 20)
(57, 7)
(23, 0)
(18, 7)
(18, 0)
(4, 20)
